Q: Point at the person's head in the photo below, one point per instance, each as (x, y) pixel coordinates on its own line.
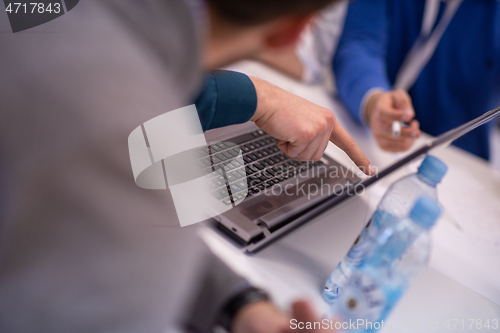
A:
(243, 28)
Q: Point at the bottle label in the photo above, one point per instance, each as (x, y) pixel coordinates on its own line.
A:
(363, 302)
(362, 245)
(359, 249)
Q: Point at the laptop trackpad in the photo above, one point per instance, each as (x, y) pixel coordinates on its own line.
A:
(290, 199)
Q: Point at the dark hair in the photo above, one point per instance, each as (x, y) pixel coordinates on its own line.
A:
(252, 12)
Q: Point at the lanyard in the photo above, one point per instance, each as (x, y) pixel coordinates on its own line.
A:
(426, 43)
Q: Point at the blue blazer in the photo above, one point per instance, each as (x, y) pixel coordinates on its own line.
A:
(460, 82)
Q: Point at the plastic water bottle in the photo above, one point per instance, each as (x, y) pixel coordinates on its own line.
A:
(400, 252)
(401, 196)
(394, 206)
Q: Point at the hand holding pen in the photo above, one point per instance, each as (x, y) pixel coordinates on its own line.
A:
(391, 118)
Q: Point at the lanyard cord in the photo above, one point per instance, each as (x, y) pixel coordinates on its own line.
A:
(426, 43)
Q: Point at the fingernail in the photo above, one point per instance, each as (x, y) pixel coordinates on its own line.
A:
(407, 116)
(372, 169)
(414, 134)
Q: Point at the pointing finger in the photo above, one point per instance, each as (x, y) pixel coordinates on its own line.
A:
(345, 142)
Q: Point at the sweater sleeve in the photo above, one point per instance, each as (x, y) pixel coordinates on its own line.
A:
(360, 61)
(227, 98)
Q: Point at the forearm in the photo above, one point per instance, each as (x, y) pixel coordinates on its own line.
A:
(267, 97)
(360, 61)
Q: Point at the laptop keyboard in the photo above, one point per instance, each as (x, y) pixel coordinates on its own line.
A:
(264, 166)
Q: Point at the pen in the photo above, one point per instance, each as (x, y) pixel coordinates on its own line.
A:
(396, 128)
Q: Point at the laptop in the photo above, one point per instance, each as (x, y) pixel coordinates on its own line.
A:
(276, 195)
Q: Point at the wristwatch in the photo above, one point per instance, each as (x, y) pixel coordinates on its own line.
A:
(245, 297)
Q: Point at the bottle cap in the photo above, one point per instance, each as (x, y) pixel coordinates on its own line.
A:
(432, 169)
(425, 212)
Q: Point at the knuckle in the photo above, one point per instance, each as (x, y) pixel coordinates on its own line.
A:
(308, 134)
(327, 118)
(329, 115)
(331, 120)
(321, 125)
(326, 125)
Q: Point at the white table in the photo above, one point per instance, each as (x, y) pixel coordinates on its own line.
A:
(297, 266)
